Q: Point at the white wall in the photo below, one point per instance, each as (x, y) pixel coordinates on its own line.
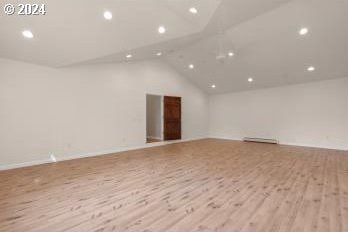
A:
(154, 116)
(97, 108)
(86, 109)
(313, 114)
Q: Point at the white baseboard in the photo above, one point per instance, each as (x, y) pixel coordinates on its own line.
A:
(225, 138)
(153, 137)
(91, 154)
(25, 164)
(315, 146)
(288, 143)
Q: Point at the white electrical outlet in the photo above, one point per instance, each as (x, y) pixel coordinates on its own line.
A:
(53, 158)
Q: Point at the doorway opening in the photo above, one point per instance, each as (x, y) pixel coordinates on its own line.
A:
(154, 118)
(163, 118)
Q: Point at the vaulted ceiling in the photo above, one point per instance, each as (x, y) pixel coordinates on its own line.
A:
(76, 31)
(263, 36)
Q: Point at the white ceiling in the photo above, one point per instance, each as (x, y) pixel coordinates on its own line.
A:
(263, 35)
(269, 49)
(76, 31)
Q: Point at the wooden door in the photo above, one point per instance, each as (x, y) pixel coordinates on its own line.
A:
(172, 118)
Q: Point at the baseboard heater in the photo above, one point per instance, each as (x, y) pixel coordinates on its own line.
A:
(260, 140)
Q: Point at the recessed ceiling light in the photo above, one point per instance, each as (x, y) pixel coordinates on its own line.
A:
(161, 30)
(310, 69)
(250, 79)
(303, 31)
(129, 56)
(159, 54)
(191, 66)
(230, 54)
(107, 15)
(213, 86)
(193, 10)
(27, 34)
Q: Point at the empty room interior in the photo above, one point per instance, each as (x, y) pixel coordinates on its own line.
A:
(174, 116)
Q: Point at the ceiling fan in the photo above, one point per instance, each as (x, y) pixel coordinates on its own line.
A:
(224, 48)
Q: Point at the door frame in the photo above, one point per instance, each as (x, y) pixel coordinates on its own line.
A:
(162, 114)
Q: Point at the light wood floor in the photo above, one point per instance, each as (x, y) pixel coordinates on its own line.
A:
(149, 140)
(207, 185)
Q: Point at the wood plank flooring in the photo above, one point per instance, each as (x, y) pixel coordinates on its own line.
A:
(150, 140)
(206, 185)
